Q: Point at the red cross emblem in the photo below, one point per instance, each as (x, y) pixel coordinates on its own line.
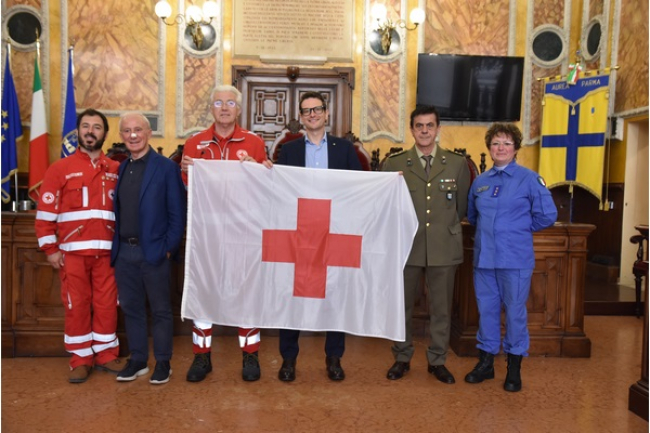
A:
(312, 248)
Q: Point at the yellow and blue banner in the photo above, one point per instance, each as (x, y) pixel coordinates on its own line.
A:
(12, 131)
(574, 127)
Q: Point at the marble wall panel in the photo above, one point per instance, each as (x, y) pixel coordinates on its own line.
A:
(22, 68)
(383, 106)
(383, 97)
(116, 54)
(36, 4)
(632, 78)
(471, 27)
(548, 12)
(22, 56)
(536, 96)
(198, 81)
(596, 8)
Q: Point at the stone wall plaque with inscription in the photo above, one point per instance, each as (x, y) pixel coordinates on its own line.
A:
(294, 31)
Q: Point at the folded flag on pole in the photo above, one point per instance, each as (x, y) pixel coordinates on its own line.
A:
(39, 158)
(70, 140)
(574, 125)
(297, 248)
(12, 131)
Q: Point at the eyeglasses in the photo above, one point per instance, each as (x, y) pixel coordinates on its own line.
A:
(421, 126)
(505, 143)
(229, 103)
(128, 131)
(316, 110)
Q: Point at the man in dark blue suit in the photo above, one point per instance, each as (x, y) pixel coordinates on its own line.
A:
(316, 150)
(150, 212)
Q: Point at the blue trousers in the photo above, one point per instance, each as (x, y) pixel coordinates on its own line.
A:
(138, 282)
(508, 288)
(334, 343)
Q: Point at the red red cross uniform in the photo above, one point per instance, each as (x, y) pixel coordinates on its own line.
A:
(208, 145)
(75, 216)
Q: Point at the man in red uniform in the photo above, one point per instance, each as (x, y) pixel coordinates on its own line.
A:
(224, 140)
(74, 225)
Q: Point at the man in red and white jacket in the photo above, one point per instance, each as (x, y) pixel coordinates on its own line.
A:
(223, 140)
(75, 225)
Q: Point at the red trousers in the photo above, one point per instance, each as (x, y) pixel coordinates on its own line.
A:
(249, 339)
(89, 295)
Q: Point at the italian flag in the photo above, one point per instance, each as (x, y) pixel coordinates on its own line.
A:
(39, 158)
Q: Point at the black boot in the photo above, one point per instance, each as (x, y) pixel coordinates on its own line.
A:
(513, 378)
(201, 366)
(251, 367)
(483, 370)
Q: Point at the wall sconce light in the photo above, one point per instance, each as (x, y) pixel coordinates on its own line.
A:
(194, 18)
(385, 27)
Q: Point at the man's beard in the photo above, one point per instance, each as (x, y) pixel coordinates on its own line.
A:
(91, 148)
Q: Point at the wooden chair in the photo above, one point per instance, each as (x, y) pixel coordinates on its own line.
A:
(640, 266)
(118, 152)
(292, 131)
(362, 153)
(177, 155)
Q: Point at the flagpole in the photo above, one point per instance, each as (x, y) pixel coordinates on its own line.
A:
(571, 203)
(14, 205)
(38, 62)
(38, 47)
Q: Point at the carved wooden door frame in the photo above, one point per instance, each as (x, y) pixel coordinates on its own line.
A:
(340, 80)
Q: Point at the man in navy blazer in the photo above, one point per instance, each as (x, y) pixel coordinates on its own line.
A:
(150, 213)
(316, 150)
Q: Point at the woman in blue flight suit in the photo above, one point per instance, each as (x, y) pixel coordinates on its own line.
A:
(506, 204)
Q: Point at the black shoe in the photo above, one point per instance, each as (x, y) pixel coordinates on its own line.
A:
(132, 370)
(334, 369)
(513, 378)
(483, 370)
(251, 367)
(398, 369)
(161, 373)
(442, 374)
(200, 367)
(288, 371)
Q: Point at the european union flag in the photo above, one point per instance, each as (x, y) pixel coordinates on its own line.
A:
(12, 131)
(70, 138)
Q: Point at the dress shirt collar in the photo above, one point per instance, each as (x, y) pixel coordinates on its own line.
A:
(433, 153)
(322, 141)
(508, 169)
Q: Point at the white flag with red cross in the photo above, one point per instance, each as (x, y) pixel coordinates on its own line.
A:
(297, 248)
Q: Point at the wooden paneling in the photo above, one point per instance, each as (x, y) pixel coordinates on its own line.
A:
(638, 394)
(32, 309)
(7, 332)
(605, 241)
(32, 312)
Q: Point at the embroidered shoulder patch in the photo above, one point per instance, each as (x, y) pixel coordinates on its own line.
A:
(541, 181)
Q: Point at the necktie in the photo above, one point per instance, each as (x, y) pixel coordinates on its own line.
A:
(427, 166)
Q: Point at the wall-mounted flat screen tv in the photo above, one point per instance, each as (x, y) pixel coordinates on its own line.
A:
(471, 88)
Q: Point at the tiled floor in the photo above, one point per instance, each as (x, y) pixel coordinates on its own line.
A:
(559, 395)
